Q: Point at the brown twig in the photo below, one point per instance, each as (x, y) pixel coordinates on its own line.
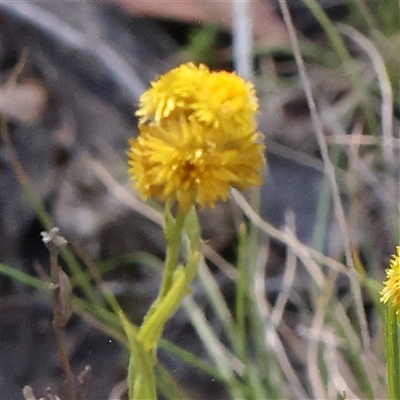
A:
(60, 299)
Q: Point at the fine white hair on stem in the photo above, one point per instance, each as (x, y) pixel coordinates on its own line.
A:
(330, 172)
(242, 38)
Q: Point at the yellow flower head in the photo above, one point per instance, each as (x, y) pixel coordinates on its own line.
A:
(226, 100)
(177, 89)
(391, 291)
(181, 160)
(197, 137)
(213, 98)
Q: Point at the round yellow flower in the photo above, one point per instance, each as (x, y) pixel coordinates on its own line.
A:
(180, 159)
(213, 98)
(391, 291)
(177, 89)
(226, 100)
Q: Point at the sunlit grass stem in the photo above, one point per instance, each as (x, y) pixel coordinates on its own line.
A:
(392, 325)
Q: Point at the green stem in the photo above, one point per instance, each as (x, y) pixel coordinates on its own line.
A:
(242, 286)
(151, 330)
(175, 286)
(145, 382)
(393, 352)
(173, 234)
(141, 377)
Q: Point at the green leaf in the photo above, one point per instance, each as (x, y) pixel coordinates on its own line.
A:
(24, 278)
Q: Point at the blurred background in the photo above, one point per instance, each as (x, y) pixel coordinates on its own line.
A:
(71, 76)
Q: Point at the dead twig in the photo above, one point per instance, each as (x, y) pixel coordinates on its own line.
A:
(62, 308)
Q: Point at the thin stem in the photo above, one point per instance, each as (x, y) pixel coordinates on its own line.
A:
(242, 285)
(173, 233)
(151, 330)
(59, 323)
(242, 38)
(393, 352)
(174, 286)
(330, 172)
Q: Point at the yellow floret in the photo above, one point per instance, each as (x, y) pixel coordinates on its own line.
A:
(390, 293)
(184, 161)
